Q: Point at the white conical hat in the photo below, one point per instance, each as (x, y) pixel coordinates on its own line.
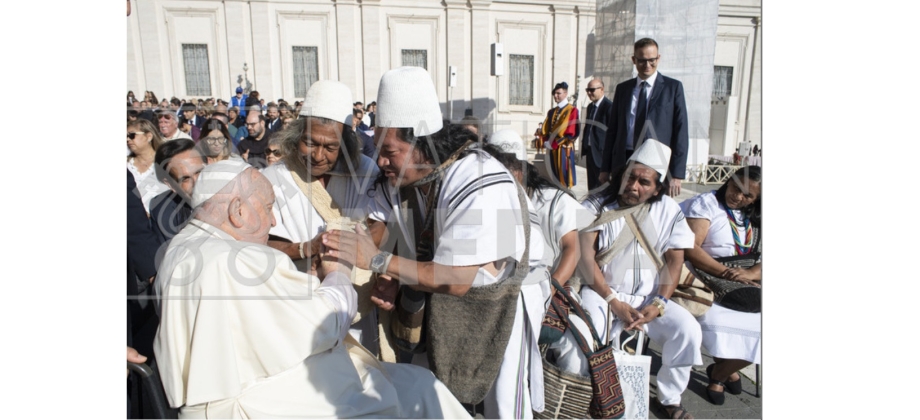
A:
(406, 98)
(510, 142)
(215, 177)
(328, 99)
(654, 154)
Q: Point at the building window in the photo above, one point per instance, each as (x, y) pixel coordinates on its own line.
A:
(415, 58)
(722, 81)
(197, 72)
(306, 70)
(521, 79)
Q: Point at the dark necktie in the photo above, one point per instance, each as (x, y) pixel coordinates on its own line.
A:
(641, 111)
(590, 126)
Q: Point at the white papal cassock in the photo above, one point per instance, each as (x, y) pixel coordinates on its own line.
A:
(243, 334)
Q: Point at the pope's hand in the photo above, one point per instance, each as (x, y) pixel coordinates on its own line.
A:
(385, 290)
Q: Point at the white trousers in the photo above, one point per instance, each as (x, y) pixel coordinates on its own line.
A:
(677, 331)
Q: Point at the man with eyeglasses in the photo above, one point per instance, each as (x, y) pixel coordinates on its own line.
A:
(651, 106)
(595, 134)
(168, 124)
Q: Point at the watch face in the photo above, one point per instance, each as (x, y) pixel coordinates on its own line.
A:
(377, 261)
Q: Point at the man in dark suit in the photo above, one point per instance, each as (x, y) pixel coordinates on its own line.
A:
(273, 118)
(649, 106)
(189, 112)
(594, 136)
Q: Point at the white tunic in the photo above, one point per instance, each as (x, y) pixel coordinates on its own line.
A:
(632, 274)
(559, 214)
(147, 183)
(635, 279)
(727, 333)
(478, 221)
(295, 215)
(243, 334)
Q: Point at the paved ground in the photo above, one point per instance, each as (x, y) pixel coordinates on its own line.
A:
(744, 406)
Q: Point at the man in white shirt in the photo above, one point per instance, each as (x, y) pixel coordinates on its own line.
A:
(627, 282)
(457, 219)
(169, 126)
(650, 106)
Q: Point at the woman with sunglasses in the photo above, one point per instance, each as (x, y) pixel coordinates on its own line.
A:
(143, 141)
(274, 153)
(215, 143)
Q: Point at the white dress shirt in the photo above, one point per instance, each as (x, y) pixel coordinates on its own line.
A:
(631, 121)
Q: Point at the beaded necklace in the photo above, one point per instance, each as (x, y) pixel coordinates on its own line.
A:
(741, 248)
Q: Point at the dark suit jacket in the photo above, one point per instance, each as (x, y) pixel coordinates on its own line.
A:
(595, 134)
(142, 241)
(168, 214)
(666, 122)
(274, 125)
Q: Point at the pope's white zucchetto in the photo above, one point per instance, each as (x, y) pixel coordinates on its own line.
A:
(654, 154)
(327, 99)
(509, 141)
(406, 98)
(215, 177)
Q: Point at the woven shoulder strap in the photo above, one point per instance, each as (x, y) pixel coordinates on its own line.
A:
(634, 215)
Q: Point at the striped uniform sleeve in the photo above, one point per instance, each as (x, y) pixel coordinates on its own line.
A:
(479, 218)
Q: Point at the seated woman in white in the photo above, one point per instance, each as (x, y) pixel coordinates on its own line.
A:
(724, 223)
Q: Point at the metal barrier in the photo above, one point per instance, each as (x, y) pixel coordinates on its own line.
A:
(717, 174)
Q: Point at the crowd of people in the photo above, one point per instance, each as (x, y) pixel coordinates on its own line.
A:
(336, 260)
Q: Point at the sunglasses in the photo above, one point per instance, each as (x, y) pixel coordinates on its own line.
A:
(276, 152)
(591, 90)
(133, 134)
(165, 116)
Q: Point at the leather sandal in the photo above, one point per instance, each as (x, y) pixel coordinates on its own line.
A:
(677, 411)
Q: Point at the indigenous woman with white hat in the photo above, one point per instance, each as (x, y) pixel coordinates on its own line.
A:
(320, 183)
(633, 255)
(459, 224)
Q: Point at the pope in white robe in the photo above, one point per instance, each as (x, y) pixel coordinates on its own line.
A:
(244, 334)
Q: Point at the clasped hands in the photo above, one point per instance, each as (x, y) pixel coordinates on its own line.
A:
(357, 248)
(633, 318)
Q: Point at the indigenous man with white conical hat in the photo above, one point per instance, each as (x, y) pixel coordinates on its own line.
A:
(460, 226)
(321, 183)
(634, 281)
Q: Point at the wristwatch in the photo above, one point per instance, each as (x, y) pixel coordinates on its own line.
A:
(380, 262)
(660, 305)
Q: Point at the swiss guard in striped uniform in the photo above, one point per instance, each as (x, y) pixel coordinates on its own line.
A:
(560, 129)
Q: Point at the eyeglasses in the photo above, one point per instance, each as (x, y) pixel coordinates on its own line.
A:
(220, 139)
(645, 61)
(132, 135)
(276, 152)
(591, 90)
(165, 116)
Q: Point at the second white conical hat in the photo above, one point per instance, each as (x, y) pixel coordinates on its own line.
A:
(510, 142)
(654, 154)
(328, 99)
(406, 98)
